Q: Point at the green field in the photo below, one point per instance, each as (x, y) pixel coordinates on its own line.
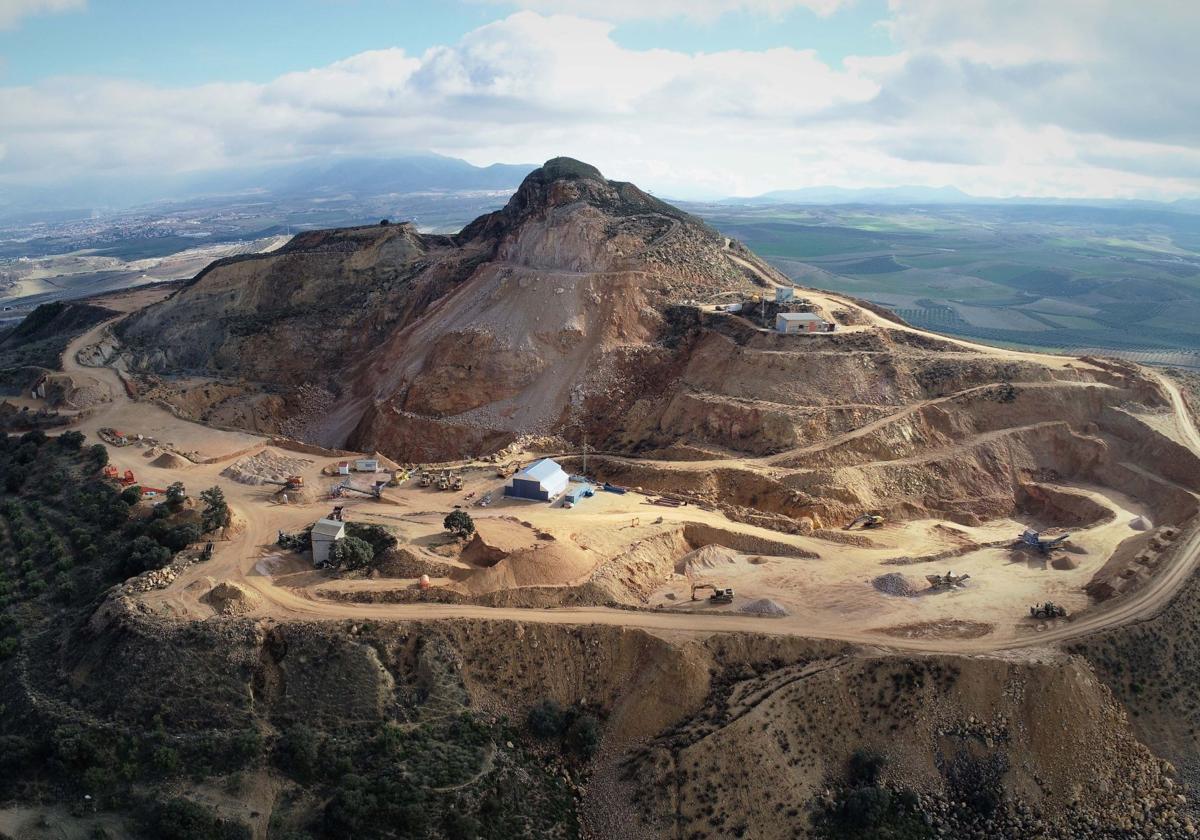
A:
(1119, 280)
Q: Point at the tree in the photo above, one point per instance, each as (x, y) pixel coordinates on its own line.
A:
(98, 452)
(216, 510)
(145, 553)
(175, 495)
(583, 735)
(546, 719)
(71, 440)
(459, 523)
(351, 553)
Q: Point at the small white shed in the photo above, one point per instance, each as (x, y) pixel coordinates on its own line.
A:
(801, 322)
(324, 534)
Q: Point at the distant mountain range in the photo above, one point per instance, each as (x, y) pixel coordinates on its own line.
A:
(322, 178)
(918, 195)
(363, 178)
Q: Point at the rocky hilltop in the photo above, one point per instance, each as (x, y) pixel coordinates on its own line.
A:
(436, 346)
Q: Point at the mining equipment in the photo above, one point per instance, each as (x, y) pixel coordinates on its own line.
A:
(336, 515)
(426, 478)
(867, 520)
(292, 482)
(1048, 610)
(1032, 539)
(127, 480)
(208, 551)
(508, 470)
(111, 472)
(947, 581)
(376, 491)
(456, 481)
(719, 595)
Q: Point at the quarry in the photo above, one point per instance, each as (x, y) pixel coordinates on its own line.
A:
(723, 526)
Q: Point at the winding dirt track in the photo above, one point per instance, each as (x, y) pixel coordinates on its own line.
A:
(237, 559)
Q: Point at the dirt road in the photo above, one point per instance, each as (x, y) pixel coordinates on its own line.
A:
(245, 558)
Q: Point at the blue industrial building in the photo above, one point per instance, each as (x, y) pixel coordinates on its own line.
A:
(541, 481)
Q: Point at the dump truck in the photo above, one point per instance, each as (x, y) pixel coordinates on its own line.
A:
(867, 520)
(720, 595)
(1047, 610)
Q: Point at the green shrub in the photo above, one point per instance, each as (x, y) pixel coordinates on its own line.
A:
(547, 719)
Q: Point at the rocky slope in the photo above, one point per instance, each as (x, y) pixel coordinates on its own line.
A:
(432, 346)
(718, 736)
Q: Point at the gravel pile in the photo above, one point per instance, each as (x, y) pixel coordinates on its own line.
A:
(895, 583)
(763, 606)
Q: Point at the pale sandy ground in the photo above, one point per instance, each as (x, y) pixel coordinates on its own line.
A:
(65, 272)
(828, 597)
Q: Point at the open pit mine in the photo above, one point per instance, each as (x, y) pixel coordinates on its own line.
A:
(804, 569)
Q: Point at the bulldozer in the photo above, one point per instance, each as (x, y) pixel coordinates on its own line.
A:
(719, 595)
(867, 520)
(1047, 610)
(947, 581)
(508, 470)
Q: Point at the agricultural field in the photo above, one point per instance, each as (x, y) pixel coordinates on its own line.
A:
(1117, 280)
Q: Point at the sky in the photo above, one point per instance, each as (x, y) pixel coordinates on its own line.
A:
(690, 98)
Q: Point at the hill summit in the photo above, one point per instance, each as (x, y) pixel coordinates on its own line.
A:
(437, 346)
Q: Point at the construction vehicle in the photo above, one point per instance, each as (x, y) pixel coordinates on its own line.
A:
(443, 481)
(426, 478)
(1048, 610)
(1032, 539)
(508, 470)
(128, 480)
(719, 595)
(376, 491)
(336, 515)
(456, 481)
(867, 520)
(208, 551)
(398, 477)
(291, 482)
(947, 581)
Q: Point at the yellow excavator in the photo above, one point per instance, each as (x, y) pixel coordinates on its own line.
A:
(719, 595)
(867, 520)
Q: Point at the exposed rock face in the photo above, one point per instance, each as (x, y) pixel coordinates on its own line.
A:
(570, 311)
(502, 329)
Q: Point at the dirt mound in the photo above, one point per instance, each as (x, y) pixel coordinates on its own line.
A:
(229, 598)
(170, 461)
(763, 606)
(1064, 563)
(511, 553)
(895, 583)
(704, 559)
(1140, 523)
(265, 467)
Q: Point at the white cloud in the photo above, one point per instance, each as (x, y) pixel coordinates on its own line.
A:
(954, 105)
(12, 11)
(702, 10)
